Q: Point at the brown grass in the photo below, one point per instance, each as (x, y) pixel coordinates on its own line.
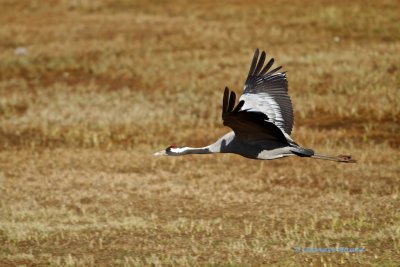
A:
(104, 84)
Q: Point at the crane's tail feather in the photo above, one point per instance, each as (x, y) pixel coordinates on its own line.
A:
(340, 158)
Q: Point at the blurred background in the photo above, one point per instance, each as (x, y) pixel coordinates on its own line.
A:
(89, 89)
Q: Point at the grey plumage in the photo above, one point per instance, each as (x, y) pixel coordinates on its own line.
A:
(262, 121)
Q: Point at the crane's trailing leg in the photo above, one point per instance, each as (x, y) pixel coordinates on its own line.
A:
(340, 158)
(305, 152)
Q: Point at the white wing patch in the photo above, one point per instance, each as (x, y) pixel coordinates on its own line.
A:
(266, 104)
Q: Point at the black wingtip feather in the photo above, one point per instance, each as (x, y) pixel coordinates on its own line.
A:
(274, 70)
(260, 63)
(254, 62)
(228, 103)
(225, 100)
(232, 100)
(239, 106)
(268, 66)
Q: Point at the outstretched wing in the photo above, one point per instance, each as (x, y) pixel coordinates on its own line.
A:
(266, 91)
(249, 126)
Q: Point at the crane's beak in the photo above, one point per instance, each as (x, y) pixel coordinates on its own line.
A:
(160, 153)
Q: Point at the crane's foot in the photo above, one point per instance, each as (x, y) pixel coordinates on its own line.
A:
(346, 159)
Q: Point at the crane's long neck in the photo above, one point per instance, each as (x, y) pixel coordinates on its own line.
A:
(213, 148)
(189, 150)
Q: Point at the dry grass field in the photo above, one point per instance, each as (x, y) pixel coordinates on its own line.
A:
(90, 89)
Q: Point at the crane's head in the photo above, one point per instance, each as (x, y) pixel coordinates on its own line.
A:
(172, 150)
